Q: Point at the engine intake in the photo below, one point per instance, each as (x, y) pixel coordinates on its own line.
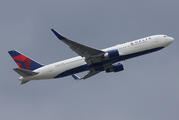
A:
(115, 68)
(111, 54)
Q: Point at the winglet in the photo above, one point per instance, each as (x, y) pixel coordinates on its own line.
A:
(76, 77)
(58, 35)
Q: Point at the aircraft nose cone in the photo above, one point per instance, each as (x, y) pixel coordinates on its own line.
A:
(169, 40)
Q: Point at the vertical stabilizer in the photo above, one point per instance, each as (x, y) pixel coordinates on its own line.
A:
(23, 61)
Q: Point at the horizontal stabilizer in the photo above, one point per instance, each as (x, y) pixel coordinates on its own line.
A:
(24, 72)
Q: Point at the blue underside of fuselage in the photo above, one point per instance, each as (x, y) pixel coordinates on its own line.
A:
(117, 59)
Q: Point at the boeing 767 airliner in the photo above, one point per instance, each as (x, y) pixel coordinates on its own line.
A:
(89, 59)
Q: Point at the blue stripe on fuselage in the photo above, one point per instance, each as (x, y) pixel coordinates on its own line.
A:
(120, 58)
(74, 70)
(125, 57)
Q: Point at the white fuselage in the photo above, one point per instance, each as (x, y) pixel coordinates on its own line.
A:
(78, 64)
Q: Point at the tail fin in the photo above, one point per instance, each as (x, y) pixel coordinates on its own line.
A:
(23, 61)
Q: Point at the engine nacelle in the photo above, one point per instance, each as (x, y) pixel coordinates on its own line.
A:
(115, 68)
(111, 54)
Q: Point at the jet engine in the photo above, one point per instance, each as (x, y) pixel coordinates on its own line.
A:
(115, 68)
(111, 54)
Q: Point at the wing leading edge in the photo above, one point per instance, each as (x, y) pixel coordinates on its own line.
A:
(91, 55)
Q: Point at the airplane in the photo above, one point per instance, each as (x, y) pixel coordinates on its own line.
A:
(89, 59)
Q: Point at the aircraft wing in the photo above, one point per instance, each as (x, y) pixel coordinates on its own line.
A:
(91, 73)
(92, 55)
